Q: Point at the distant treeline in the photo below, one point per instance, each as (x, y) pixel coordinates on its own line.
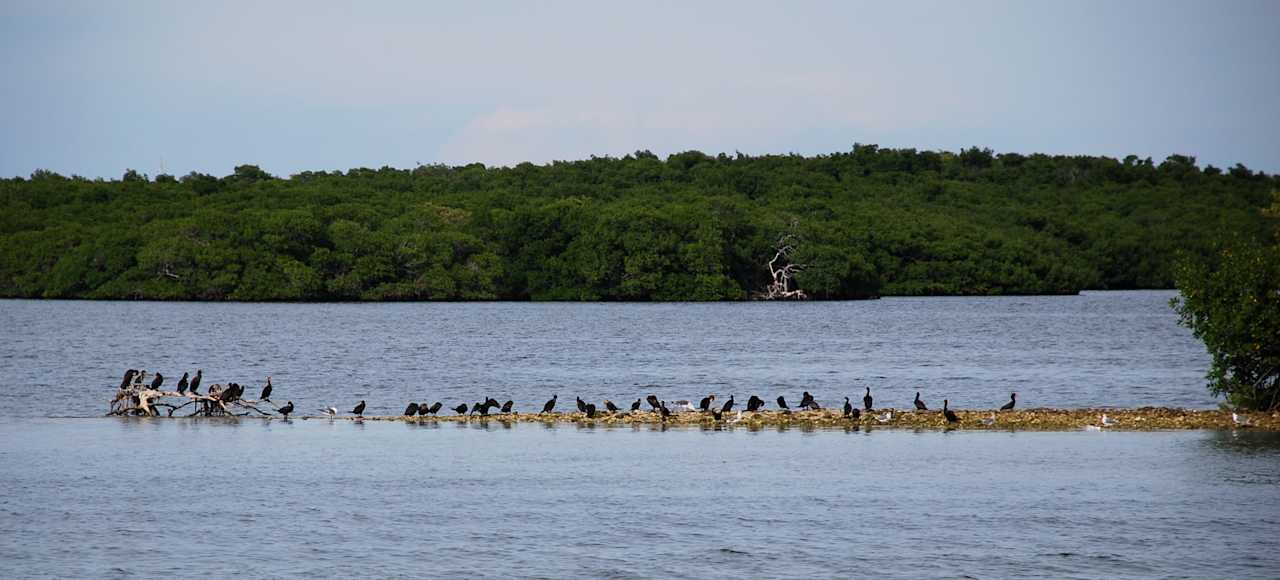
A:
(868, 222)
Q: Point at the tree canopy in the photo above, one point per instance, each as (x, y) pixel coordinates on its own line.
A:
(867, 222)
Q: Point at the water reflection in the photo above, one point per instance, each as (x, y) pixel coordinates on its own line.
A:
(1244, 442)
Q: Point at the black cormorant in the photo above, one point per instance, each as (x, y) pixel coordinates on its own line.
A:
(754, 403)
(551, 404)
(951, 417)
(728, 405)
(1013, 400)
(662, 409)
(806, 401)
(506, 407)
(460, 409)
(866, 399)
(182, 383)
(653, 402)
(286, 409)
(590, 410)
(636, 405)
(920, 404)
(159, 380)
(195, 381)
(359, 410)
(782, 403)
(411, 410)
(705, 403)
(582, 405)
(266, 391)
(610, 406)
(435, 407)
(848, 407)
(128, 378)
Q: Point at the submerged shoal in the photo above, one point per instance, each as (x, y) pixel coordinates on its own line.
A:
(1140, 419)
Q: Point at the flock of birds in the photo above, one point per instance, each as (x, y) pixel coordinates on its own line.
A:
(233, 391)
(707, 405)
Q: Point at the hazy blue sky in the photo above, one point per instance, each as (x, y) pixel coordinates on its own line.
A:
(94, 88)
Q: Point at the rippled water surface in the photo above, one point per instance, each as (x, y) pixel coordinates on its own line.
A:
(82, 495)
(315, 498)
(1098, 349)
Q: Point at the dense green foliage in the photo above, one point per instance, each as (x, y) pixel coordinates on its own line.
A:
(691, 227)
(1231, 300)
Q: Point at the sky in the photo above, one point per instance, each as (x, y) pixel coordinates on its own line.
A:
(95, 88)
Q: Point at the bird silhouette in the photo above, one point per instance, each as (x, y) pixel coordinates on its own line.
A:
(866, 399)
(411, 410)
(435, 407)
(183, 383)
(636, 405)
(359, 410)
(728, 405)
(159, 380)
(582, 405)
(1013, 400)
(951, 417)
(782, 403)
(460, 409)
(551, 404)
(920, 406)
(195, 382)
(286, 409)
(705, 404)
(653, 402)
(506, 407)
(266, 391)
(610, 406)
(754, 403)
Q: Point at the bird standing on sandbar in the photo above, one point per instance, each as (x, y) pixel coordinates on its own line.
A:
(727, 405)
(590, 411)
(951, 417)
(582, 405)
(506, 407)
(551, 404)
(359, 410)
(848, 408)
(705, 404)
(610, 406)
(920, 406)
(435, 407)
(1013, 400)
(663, 410)
(411, 410)
(866, 399)
(460, 409)
(782, 403)
(654, 402)
(635, 406)
(754, 403)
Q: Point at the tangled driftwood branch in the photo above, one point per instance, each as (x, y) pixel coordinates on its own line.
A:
(783, 273)
(140, 399)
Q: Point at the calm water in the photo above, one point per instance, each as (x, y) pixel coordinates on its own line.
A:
(1099, 349)
(316, 498)
(153, 498)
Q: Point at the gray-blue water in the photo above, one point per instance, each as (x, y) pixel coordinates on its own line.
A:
(92, 496)
(1121, 349)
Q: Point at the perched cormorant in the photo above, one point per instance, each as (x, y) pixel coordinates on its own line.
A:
(848, 407)
(782, 403)
(754, 403)
(705, 403)
(806, 401)
(435, 407)
(728, 405)
(920, 404)
(1013, 400)
(266, 391)
(128, 378)
(359, 410)
(653, 402)
(590, 410)
(662, 408)
(551, 404)
(411, 410)
(492, 403)
(286, 409)
(460, 409)
(951, 417)
(866, 399)
(610, 406)
(422, 409)
(506, 407)
(182, 384)
(582, 405)
(482, 407)
(159, 380)
(195, 381)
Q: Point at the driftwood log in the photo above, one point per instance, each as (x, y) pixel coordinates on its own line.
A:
(140, 399)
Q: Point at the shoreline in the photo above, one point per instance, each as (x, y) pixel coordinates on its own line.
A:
(1139, 419)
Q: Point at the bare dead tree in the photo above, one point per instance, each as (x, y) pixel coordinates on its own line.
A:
(783, 271)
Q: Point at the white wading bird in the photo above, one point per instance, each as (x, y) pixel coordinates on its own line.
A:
(1108, 421)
